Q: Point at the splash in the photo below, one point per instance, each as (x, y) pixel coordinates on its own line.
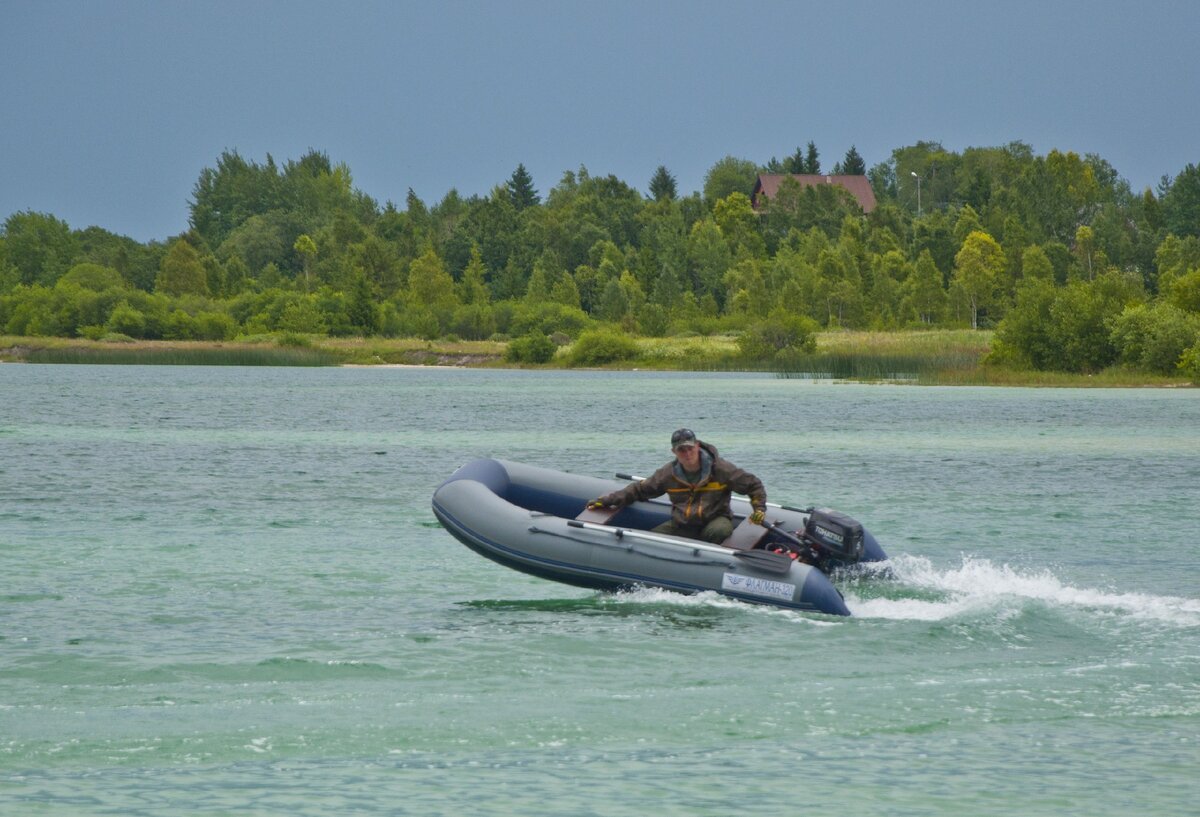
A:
(980, 585)
(708, 600)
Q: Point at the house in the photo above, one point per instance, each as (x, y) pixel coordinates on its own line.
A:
(767, 187)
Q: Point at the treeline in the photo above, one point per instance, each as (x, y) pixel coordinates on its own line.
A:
(1073, 269)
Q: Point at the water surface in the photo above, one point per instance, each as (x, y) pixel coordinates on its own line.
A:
(224, 591)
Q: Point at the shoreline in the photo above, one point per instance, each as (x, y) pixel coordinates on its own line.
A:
(935, 357)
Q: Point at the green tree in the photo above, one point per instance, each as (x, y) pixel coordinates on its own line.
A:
(236, 189)
(565, 291)
(977, 270)
(182, 271)
(662, 185)
(967, 222)
(1025, 338)
(1080, 317)
(520, 189)
(379, 261)
(261, 240)
(1183, 291)
(812, 160)
(729, 175)
(430, 285)
(1181, 204)
(40, 246)
(614, 304)
(307, 249)
(1085, 251)
(473, 287)
(738, 222)
(852, 164)
(1035, 265)
(922, 294)
(362, 310)
(709, 258)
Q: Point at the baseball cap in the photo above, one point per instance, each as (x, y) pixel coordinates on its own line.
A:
(684, 436)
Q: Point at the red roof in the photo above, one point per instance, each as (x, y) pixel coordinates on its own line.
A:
(858, 186)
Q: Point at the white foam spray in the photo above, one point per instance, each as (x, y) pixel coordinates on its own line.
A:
(980, 585)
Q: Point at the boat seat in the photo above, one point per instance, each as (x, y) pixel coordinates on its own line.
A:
(597, 516)
(745, 536)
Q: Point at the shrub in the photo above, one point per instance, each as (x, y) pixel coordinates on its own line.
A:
(1189, 364)
(474, 321)
(547, 318)
(532, 348)
(293, 340)
(92, 276)
(601, 346)
(653, 320)
(180, 326)
(1066, 328)
(125, 320)
(781, 332)
(1154, 337)
(215, 326)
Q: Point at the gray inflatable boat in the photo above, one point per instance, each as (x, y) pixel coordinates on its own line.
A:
(535, 520)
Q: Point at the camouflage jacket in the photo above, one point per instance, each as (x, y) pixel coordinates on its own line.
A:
(699, 502)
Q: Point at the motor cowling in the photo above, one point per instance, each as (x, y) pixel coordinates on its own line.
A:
(837, 537)
(829, 540)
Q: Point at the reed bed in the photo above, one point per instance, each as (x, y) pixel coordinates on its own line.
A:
(921, 357)
(184, 356)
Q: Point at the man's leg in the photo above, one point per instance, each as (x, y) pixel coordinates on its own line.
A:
(718, 530)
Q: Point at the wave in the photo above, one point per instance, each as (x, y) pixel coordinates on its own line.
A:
(911, 588)
(928, 593)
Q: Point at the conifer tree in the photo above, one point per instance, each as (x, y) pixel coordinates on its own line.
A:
(473, 287)
(852, 164)
(662, 185)
(812, 159)
(520, 189)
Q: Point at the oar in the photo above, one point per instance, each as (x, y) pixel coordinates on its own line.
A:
(765, 560)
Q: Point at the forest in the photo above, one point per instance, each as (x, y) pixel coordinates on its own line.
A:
(1055, 254)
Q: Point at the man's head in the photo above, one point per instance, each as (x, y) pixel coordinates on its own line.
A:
(687, 451)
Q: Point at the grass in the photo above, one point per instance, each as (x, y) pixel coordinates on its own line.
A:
(169, 353)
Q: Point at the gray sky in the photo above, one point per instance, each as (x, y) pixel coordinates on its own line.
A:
(109, 110)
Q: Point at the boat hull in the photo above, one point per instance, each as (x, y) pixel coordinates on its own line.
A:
(522, 517)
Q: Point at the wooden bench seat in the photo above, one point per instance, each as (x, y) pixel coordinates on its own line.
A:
(745, 536)
(597, 516)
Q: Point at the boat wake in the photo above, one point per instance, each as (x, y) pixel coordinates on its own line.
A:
(922, 592)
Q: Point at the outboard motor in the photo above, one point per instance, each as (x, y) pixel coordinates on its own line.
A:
(836, 536)
(830, 540)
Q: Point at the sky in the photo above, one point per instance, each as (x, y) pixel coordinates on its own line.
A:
(109, 110)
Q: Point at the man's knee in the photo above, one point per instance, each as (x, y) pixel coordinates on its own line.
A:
(718, 530)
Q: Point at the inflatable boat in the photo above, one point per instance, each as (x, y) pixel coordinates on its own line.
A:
(535, 520)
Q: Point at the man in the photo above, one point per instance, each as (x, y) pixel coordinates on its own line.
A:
(698, 483)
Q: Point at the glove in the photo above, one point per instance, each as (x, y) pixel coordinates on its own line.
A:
(758, 517)
(595, 504)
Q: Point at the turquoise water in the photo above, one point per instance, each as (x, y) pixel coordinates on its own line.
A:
(224, 592)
